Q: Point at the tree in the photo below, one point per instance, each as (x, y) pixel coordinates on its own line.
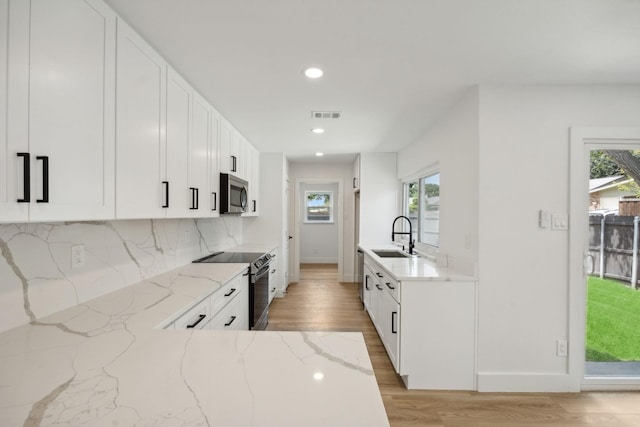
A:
(629, 162)
(602, 165)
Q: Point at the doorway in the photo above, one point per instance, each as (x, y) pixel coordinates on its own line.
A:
(591, 359)
(318, 220)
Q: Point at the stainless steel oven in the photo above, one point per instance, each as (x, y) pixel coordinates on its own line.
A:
(259, 264)
(233, 194)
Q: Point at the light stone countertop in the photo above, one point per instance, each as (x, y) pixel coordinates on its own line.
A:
(415, 268)
(103, 363)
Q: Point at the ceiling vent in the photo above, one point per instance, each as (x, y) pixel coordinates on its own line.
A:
(326, 114)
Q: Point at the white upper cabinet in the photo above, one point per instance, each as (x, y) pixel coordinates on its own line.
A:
(225, 159)
(183, 197)
(58, 154)
(142, 190)
(252, 175)
(202, 146)
(214, 169)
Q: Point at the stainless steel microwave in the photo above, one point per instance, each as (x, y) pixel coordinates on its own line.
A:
(233, 194)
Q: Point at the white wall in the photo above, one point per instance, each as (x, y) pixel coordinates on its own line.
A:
(524, 167)
(36, 278)
(452, 146)
(504, 155)
(319, 242)
(334, 170)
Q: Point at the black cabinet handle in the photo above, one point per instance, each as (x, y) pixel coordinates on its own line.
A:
(230, 321)
(166, 194)
(379, 287)
(193, 198)
(366, 282)
(389, 286)
(379, 274)
(254, 205)
(245, 274)
(393, 322)
(273, 290)
(354, 183)
(200, 319)
(273, 271)
(215, 201)
(45, 179)
(26, 180)
(230, 292)
(234, 164)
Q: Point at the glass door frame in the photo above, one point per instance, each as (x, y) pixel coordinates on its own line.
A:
(582, 141)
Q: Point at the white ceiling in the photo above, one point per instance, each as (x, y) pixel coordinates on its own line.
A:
(391, 66)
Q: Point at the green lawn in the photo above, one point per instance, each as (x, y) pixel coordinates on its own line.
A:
(613, 321)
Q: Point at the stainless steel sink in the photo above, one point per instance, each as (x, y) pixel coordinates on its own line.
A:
(390, 253)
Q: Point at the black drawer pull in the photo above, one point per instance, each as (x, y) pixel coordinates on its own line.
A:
(200, 319)
(193, 191)
(366, 282)
(166, 194)
(215, 201)
(379, 287)
(273, 290)
(393, 322)
(379, 274)
(389, 286)
(230, 321)
(230, 292)
(26, 180)
(45, 179)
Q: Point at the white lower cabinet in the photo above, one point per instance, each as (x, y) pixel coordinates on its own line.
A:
(426, 326)
(273, 274)
(225, 309)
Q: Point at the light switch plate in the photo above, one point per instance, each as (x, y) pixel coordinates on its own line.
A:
(559, 222)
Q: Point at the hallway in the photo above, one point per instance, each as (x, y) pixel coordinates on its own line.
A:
(318, 302)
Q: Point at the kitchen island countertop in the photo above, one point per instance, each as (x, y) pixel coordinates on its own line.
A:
(104, 362)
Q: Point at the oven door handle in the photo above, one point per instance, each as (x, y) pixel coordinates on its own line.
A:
(263, 271)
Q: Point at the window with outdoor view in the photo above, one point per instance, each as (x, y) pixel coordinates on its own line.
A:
(422, 206)
(318, 206)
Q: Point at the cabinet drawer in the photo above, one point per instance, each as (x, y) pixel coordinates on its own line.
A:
(233, 316)
(197, 317)
(228, 292)
(392, 286)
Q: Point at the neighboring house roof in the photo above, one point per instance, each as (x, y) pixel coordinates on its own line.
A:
(599, 184)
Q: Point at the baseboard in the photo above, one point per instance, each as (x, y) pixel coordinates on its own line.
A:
(348, 278)
(524, 382)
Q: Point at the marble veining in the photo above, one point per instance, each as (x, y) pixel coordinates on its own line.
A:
(103, 363)
(36, 278)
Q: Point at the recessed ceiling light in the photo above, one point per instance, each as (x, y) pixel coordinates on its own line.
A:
(313, 73)
(319, 154)
(317, 130)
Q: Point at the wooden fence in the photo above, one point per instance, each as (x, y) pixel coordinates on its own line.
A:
(616, 259)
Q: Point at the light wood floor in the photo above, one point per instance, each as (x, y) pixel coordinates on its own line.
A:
(318, 302)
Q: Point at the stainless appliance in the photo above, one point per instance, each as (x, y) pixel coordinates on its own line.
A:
(233, 194)
(258, 282)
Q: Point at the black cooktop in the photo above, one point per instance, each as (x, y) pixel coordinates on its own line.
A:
(231, 257)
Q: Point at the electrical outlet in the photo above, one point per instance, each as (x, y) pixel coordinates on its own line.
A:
(562, 348)
(77, 256)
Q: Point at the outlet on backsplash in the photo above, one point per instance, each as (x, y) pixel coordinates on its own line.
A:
(77, 256)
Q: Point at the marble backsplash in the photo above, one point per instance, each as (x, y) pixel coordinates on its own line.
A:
(37, 279)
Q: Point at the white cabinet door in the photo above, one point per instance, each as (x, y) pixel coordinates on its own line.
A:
(237, 154)
(183, 199)
(251, 167)
(199, 152)
(389, 319)
(13, 122)
(225, 157)
(214, 166)
(67, 129)
(141, 187)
